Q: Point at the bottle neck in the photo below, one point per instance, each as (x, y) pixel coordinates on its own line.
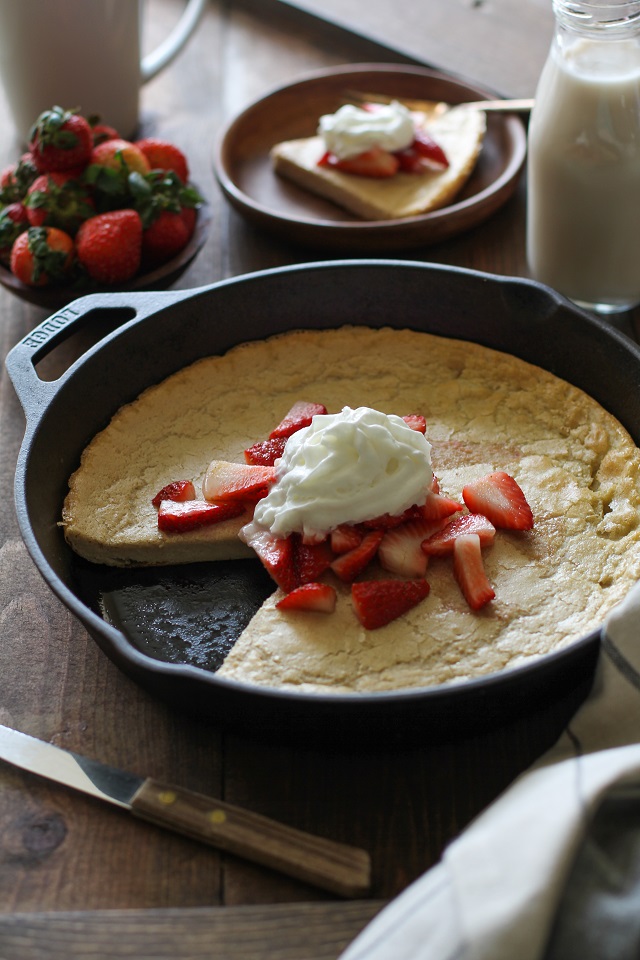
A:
(599, 19)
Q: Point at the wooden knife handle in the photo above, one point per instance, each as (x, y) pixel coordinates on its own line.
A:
(336, 867)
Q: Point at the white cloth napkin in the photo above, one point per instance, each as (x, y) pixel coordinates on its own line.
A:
(496, 893)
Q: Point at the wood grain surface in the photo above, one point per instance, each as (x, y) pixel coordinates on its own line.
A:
(65, 859)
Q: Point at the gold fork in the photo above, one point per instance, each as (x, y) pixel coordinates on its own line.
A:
(434, 108)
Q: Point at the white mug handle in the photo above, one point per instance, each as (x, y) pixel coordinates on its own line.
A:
(154, 62)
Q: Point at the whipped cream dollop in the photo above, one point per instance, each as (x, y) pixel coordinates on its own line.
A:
(344, 468)
(352, 130)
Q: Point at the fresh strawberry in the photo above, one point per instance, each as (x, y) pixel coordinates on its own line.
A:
(167, 236)
(13, 222)
(16, 179)
(311, 559)
(60, 140)
(347, 566)
(41, 256)
(101, 132)
(378, 602)
(387, 521)
(429, 150)
(167, 207)
(177, 490)
(410, 161)
(300, 415)
(316, 597)
(469, 571)
(109, 246)
(416, 421)
(423, 154)
(376, 163)
(442, 542)
(58, 200)
(162, 155)
(265, 452)
(119, 155)
(401, 552)
(500, 498)
(113, 165)
(180, 517)
(437, 506)
(275, 553)
(345, 538)
(236, 481)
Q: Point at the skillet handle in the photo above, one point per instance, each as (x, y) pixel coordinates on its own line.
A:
(35, 393)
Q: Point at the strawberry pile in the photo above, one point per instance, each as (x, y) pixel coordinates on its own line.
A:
(402, 545)
(84, 206)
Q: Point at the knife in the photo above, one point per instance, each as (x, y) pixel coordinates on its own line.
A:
(336, 867)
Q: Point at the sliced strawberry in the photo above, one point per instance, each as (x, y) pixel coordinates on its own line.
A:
(416, 421)
(429, 150)
(469, 571)
(349, 565)
(499, 497)
(441, 543)
(317, 597)
(237, 481)
(265, 452)
(179, 517)
(311, 559)
(345, 538)
(378, 602)
(410, 161)
(400, 550)
(376, 162)
(178, 490)
(299, 416)
(388, 521)
(275, 553)
(437, 506)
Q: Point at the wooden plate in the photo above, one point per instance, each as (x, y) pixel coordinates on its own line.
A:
(243, 167)
(55, 297)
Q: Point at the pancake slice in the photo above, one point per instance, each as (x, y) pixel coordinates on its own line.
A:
(459, 131)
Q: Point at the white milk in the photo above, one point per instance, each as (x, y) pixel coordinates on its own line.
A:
(583, 229)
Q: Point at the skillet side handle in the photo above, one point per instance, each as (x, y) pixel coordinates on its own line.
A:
(33, 392)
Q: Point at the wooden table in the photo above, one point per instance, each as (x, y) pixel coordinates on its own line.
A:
(73, 871)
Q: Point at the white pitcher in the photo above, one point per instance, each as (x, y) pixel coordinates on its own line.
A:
(81, 54)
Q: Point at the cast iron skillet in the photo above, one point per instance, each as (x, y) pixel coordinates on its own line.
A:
(159, 333)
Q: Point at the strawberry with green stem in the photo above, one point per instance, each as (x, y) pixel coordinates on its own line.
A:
(41, 256)
(58, 200)
(60, 140)
(163, 155)
(13, 222)
(16, 179)
(167, 208)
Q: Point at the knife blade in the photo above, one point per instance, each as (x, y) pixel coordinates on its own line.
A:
(336, 867)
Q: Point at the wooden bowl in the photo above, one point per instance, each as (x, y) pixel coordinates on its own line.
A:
(55, 297)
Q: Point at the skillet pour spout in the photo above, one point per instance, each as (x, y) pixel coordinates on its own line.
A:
(114, 346)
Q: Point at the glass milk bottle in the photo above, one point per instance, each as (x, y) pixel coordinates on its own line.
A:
(583, 216)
